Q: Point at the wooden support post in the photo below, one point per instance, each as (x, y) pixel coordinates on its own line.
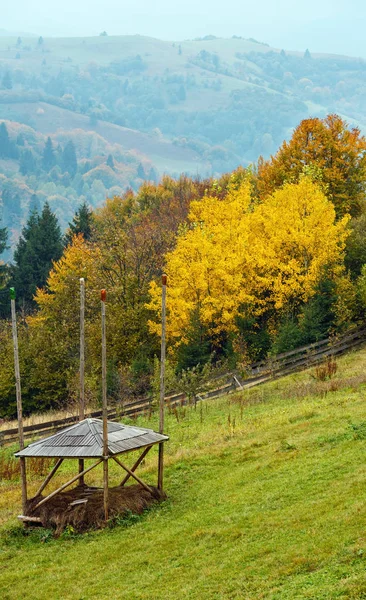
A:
(65, 485)
(82, 366)
(133, 469)
(103, 296)
(132, 474)
(162, 382)
(49, 477)
(23, 474)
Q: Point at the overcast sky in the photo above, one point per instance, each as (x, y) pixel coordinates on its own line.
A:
(321, 25)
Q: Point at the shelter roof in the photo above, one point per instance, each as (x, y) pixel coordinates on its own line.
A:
(85, 440)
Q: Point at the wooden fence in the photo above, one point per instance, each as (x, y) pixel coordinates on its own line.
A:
(260, 372)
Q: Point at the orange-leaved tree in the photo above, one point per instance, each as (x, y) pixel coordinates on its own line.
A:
(335, 153)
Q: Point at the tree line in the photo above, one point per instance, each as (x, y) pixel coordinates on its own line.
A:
(258, 261)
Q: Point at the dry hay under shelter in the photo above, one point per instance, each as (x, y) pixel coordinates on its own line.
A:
(82, 508)
(85, 507)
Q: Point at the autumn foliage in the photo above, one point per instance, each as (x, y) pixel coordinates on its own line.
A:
(335, 152)
(237, 256)
(255, 261)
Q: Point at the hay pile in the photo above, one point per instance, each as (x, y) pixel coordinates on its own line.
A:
(59, 512)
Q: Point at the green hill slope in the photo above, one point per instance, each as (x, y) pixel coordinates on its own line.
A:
(266, 500)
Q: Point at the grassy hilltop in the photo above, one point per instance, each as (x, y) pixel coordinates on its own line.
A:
(266, 500)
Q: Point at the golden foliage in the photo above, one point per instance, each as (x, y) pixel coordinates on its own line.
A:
(235, 253)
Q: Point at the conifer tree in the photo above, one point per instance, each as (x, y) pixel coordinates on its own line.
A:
(34, 204)
(27, 163)
(141, 172)
(7, 82)
(69, 160)
(110, 161)
(39, 245)
(48, 158)
(7, 148)
(81, 223)
(4, 141)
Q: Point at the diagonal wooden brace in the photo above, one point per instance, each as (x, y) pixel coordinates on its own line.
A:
(49, 477)
(133, 469)
(132, 474)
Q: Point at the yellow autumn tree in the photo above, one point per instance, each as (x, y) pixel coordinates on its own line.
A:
(236, 254)
(208, 269)
(294, 237)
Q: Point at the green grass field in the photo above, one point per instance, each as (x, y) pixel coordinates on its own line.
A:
(266, 500)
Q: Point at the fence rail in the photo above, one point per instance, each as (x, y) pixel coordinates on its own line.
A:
(259, 372)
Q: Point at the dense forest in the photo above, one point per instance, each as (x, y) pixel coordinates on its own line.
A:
(84, 119)
(259, 261)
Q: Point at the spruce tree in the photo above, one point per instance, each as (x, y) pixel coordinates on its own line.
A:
(69, 160)
(141, 172)
(7, 82)
(4, 141)
(27, 163)
(34, 204)
(7, 148)
(110, 161)
(40, 244)
(81, 223)
(48, 158)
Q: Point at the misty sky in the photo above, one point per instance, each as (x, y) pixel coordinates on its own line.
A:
(321, 25)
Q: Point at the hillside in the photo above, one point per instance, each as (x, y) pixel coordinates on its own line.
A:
(201, 107)
(266, 500)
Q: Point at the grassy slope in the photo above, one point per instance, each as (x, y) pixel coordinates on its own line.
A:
(266, 500)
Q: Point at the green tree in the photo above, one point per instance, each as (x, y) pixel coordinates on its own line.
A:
(356, 246)
(7, 81)
(34, 204)
(110, 161)
(48, 158)
(39, 245)
(141, 171)
(69, 160)
(27, 163)
(81, 223)
(7, 148)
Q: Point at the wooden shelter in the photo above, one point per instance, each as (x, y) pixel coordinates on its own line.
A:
(85, 440)
(90, 438)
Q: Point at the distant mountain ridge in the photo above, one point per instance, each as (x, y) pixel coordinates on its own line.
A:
(151, 107)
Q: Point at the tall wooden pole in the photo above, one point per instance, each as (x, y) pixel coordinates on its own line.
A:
(82, 367)
(103, 296)
(23, 474)
(162, 382)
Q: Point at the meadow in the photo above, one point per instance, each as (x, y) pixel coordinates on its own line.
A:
(265, 500)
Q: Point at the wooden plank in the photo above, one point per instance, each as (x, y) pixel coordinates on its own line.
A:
(27, 519)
